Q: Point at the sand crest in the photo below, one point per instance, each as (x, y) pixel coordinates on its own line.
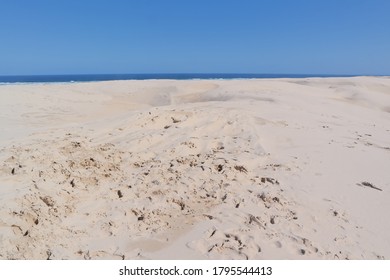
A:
(239, 169)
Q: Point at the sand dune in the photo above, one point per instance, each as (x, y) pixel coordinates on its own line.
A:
(240, 169)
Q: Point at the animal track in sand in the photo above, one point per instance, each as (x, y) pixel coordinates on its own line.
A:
(157, 194)
(130, 189)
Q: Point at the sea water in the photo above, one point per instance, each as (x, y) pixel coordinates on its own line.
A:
(113, 77)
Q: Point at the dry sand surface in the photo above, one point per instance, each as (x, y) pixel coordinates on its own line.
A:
(208, 169)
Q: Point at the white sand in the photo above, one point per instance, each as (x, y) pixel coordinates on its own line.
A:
(258, 169)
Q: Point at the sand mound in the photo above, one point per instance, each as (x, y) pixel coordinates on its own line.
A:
(203, 171)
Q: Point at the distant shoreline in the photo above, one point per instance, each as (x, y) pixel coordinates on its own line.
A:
(33, 79)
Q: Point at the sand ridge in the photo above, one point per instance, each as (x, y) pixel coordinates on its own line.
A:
(242, 169)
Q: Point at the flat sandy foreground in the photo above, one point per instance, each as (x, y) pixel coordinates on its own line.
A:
(208, 169)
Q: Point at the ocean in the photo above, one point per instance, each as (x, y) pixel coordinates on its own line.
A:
(113, 77)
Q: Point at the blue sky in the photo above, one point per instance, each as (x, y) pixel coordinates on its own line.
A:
(195, 36)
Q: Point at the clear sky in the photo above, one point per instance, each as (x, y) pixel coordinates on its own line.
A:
(195, 36)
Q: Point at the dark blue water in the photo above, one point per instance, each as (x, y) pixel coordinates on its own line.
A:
(112, 77)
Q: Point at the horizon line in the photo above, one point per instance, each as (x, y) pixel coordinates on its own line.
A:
(194, 73)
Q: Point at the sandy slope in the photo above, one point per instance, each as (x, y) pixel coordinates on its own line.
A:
(258, 169)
